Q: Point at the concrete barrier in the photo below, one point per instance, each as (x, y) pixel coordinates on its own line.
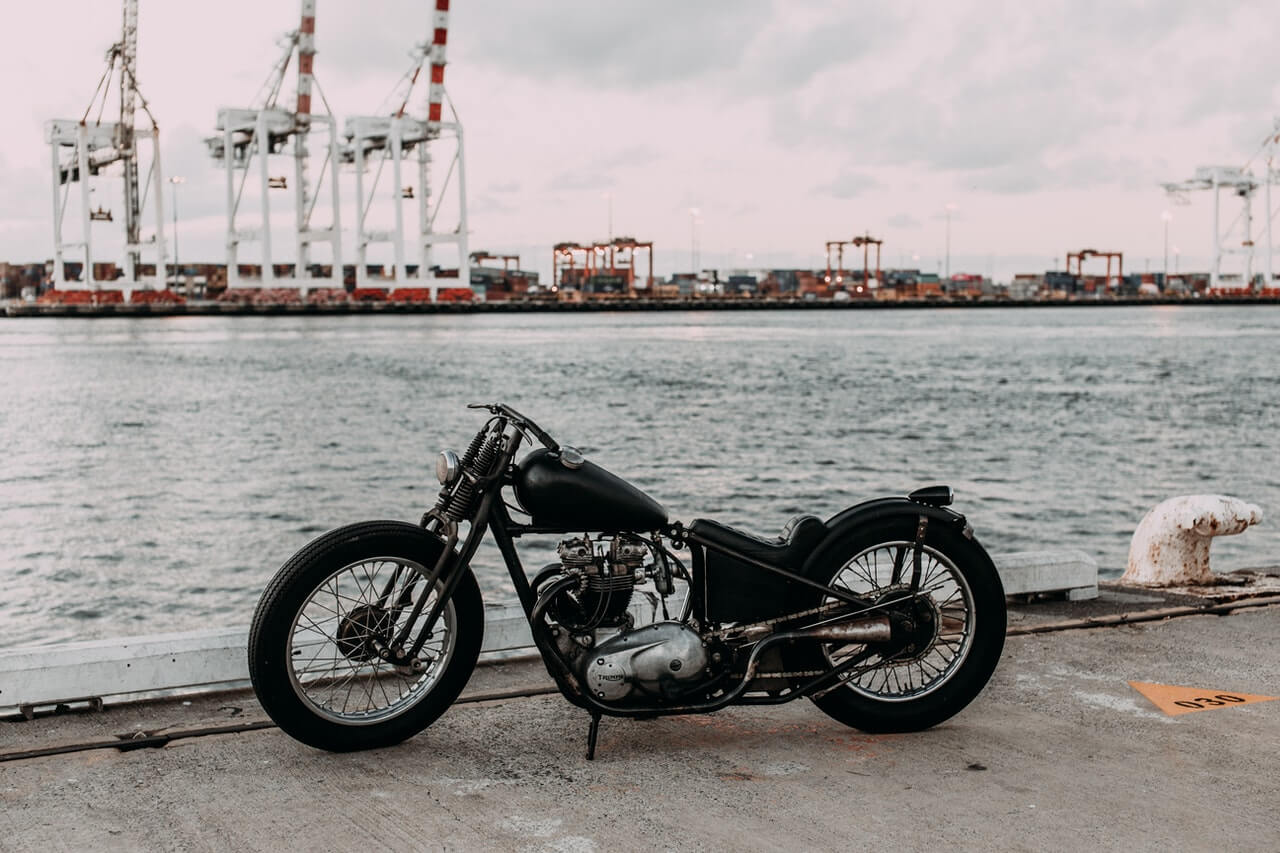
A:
(90, 672)
(1073, 574)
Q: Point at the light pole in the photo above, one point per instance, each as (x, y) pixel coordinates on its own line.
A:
(694, 213)
(1167, 217)
(950, 206)
(173, 183)
(609, 198)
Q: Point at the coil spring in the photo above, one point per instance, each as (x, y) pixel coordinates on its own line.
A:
(476, 462)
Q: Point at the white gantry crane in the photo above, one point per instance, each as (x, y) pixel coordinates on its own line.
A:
(82, 149)
(1238, 239)
(393, 137)
(263, 130)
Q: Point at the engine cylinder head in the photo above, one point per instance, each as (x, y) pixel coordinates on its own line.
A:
(577, 553)
(627, 554)
(606, 586)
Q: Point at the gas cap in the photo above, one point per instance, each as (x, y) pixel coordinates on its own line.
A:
(571, 457)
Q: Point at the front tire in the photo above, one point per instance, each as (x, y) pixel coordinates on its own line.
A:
(959, 627)
(314, 642)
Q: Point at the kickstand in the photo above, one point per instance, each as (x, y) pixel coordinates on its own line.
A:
(592, 733)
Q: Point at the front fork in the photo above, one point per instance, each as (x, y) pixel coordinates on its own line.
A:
(450, 567)
(394, 651)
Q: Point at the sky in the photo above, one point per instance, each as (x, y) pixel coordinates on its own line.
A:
(1047, 127)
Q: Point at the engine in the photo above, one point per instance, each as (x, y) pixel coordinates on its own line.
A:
(664, 659)
(604, 592)
(661, 658)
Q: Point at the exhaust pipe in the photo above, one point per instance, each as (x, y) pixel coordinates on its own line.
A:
(872, 629)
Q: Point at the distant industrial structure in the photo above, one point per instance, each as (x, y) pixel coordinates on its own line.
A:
(395, 136)
(1084, 254)
(608, 267)
(247, 143)
(1238, 239)
(395, 153)
(81, 149)
(865, 242)
(264, 129)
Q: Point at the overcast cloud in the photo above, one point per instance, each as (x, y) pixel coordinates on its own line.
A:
(787, 124)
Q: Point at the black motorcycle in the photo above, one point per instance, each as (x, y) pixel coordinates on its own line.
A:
(889, 615)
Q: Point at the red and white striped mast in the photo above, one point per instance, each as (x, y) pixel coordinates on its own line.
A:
(302, 118)
(127, 146)
(436, 57)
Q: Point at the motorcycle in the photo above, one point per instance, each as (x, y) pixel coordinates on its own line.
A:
(889, 616)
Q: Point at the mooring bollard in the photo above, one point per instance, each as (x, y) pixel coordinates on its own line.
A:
(1170, 547)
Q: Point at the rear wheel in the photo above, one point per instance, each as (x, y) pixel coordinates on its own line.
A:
(947, 638)
(325, 621)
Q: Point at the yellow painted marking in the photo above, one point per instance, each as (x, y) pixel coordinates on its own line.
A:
(1175, 700)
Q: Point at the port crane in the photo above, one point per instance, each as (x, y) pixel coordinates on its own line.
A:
(82, 149)
(393, 135)
(1084, 254)
(249, 137)
(610, 264)
(1244, 184)
(864, 242)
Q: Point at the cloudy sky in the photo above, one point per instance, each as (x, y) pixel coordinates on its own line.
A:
(1048, 124)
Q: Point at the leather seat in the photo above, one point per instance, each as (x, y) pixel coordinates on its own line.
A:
(788, 551)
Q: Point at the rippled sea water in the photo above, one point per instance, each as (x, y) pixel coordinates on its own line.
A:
(156, 472)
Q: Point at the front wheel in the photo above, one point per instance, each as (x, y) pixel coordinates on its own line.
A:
(323, 622)
(947, 636)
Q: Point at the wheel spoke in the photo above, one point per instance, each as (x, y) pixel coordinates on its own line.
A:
(896, 674)
(346, 623)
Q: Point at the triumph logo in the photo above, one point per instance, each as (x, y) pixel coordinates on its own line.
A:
(610, 677)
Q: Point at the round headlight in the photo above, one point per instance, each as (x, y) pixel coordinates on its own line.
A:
(447, 467)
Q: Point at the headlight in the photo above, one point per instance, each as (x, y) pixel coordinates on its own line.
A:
(447, 467)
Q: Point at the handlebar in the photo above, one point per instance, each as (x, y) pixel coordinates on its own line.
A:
(521, 421)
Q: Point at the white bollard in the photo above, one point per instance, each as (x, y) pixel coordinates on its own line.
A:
(1170, 547)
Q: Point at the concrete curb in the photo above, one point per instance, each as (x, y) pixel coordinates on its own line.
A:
(215, 659)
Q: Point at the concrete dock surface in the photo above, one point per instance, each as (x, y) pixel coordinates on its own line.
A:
(1059, 752)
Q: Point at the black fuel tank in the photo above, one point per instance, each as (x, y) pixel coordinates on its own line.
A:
(584, 498)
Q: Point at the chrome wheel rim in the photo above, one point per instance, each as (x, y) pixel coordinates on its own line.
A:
(332, 666)
(883, 571)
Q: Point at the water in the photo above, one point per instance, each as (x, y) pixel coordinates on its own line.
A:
(155, 473)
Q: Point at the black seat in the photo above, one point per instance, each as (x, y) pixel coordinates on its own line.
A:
(788, 551)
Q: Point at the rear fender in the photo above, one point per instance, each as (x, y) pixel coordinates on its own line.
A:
(843, 523)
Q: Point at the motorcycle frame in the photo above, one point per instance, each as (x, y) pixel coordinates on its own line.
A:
(493, 515)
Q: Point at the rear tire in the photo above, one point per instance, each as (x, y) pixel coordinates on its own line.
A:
(913, 687)
(312, 645)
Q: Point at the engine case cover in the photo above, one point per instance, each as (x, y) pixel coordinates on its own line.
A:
(662, 658)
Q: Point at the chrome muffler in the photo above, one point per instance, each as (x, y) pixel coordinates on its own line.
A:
(869, 629)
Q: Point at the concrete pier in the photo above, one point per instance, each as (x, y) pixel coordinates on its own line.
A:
(1059, 752)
